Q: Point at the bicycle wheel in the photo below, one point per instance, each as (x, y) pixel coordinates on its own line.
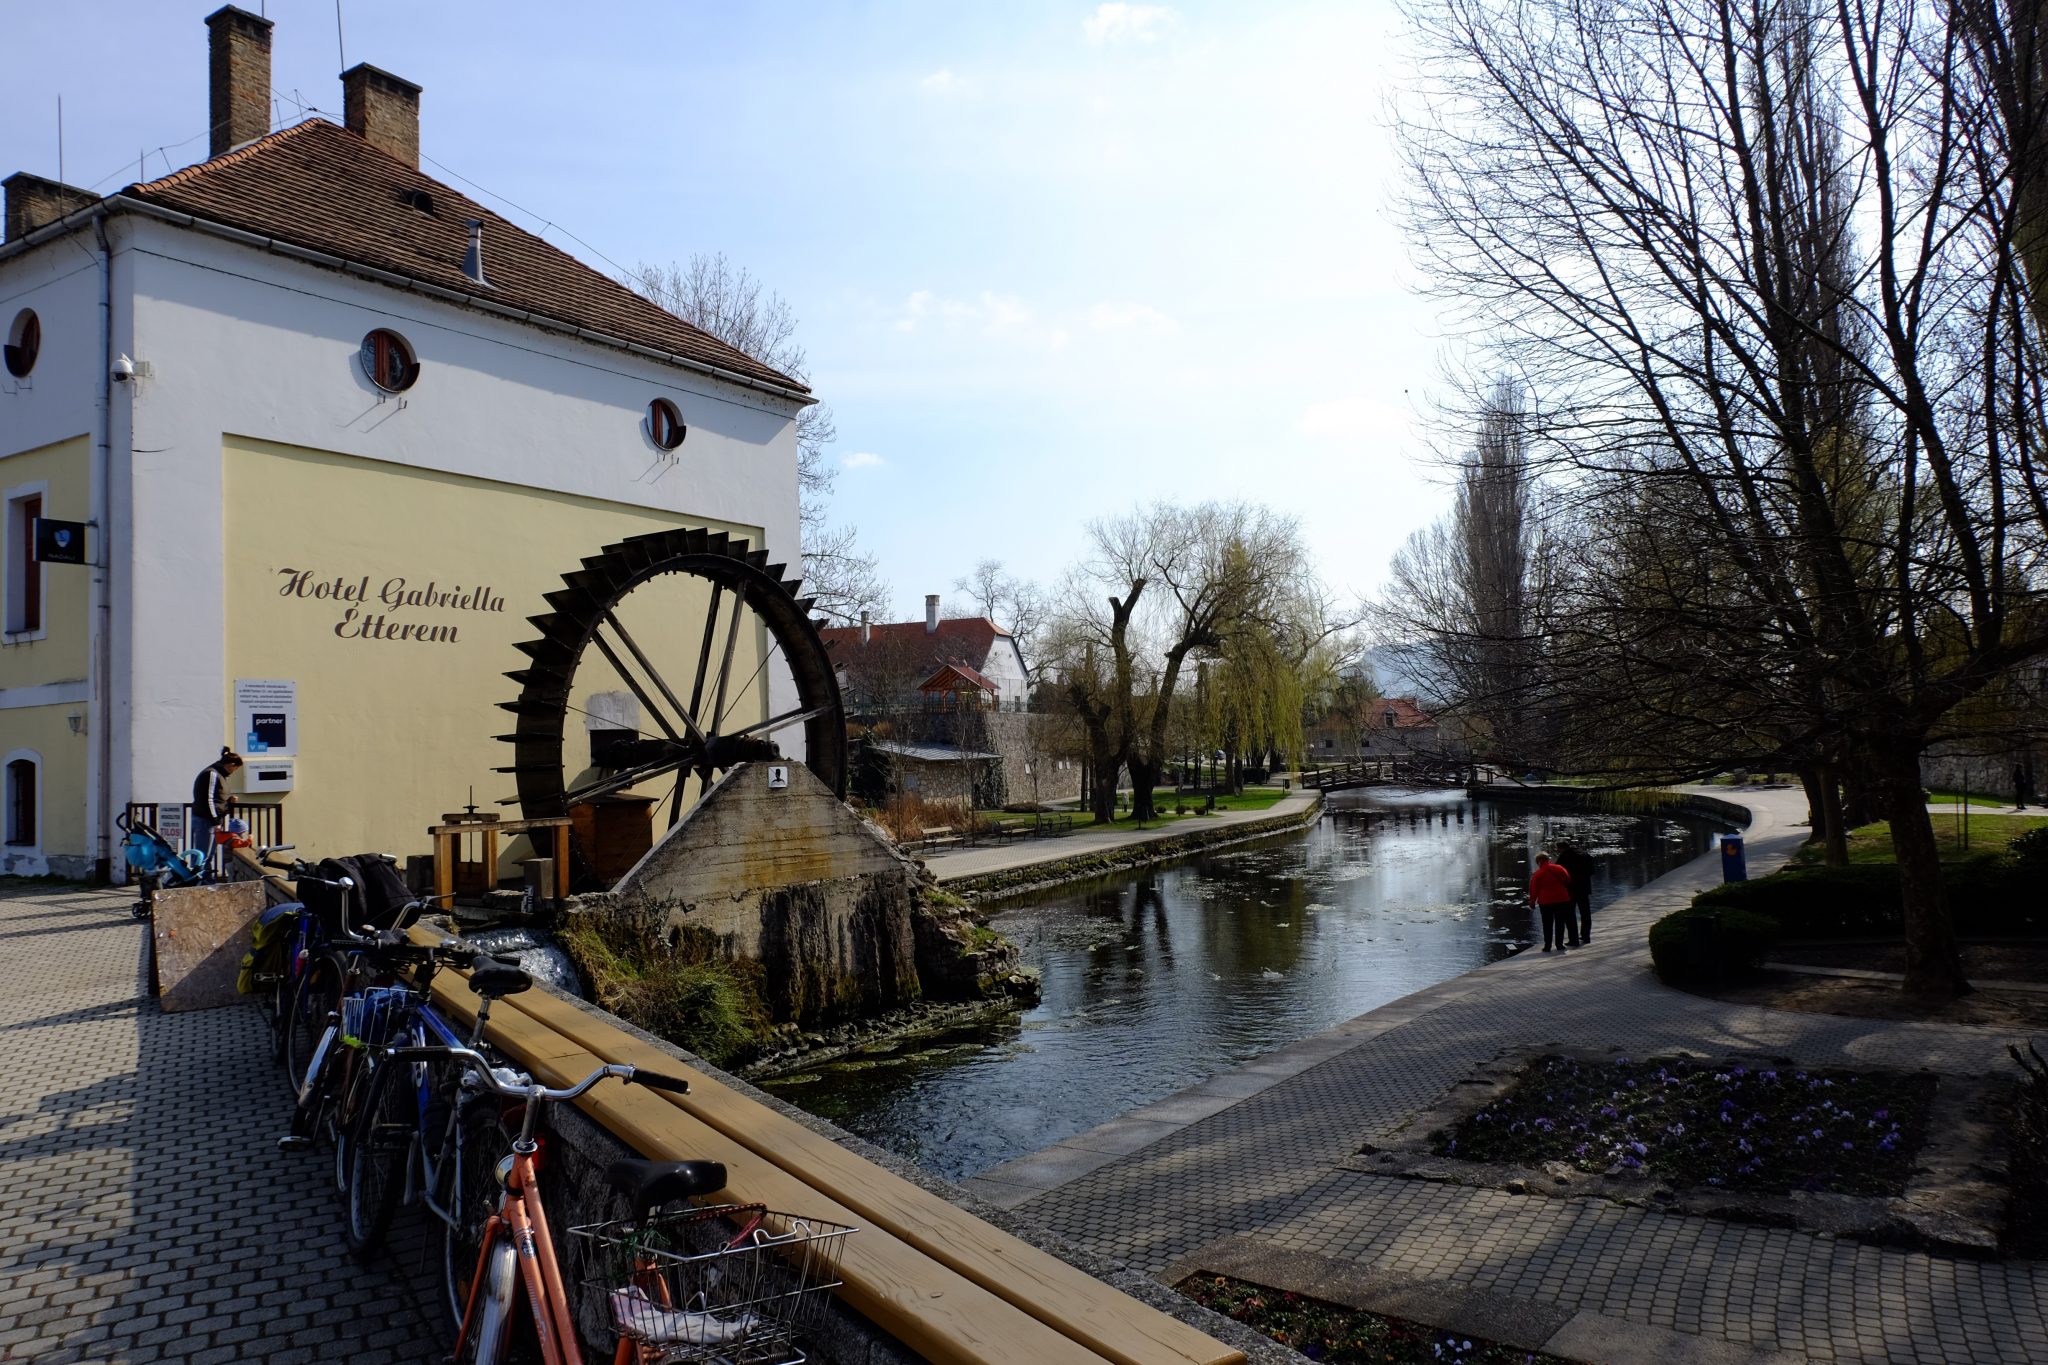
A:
(317, 997)
(482, 1140)
(379, 1148)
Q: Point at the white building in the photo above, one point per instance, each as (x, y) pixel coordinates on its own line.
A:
(334, 424)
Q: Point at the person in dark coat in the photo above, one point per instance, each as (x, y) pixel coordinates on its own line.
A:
(1578, 865)
(1551, 888)
(211, 801)
(2022, 785)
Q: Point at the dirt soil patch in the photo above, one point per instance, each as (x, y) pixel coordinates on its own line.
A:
(1986, 1007)
(1986, 963)
(1767, 1128)
(1348, 1336)
(1753, 1139)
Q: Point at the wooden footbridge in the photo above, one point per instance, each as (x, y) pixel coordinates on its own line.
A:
(1394, 772)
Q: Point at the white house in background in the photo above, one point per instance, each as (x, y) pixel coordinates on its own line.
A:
(332, 423)
(902, 656)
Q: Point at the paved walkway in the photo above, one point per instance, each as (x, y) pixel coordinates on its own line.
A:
(145, 1213)
(1260, 1152)
(954, 864)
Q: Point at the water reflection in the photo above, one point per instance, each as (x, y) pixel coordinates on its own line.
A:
(1156, 980)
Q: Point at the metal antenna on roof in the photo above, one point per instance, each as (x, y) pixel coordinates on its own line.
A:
(340, 51)
(60, 139)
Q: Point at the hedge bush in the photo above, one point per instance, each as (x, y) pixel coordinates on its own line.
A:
(1734, 946)
(1988, 894)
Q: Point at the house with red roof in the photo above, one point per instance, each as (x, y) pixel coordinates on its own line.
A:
(1375, 727)
(884, 665)
(293, 441)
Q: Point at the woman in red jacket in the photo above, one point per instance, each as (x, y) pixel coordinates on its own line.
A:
(1550, 886)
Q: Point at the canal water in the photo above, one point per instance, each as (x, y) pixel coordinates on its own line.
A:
(1156, 980)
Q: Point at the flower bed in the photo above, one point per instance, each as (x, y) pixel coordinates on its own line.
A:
(1690, 1123)
(1348, 1336)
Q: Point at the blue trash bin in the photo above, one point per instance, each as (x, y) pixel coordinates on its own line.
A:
(1734, 867)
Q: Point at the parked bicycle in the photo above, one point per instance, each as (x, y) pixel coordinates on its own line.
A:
(730, 1282)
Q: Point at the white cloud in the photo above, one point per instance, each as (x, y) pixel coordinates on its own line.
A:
(862, 459)
(944, 82)
(1116, 315)
(990, 313)
(1117, 21)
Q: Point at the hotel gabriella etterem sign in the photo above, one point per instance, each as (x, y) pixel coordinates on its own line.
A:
(390, 610)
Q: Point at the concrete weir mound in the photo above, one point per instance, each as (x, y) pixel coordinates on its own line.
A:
(785, 874)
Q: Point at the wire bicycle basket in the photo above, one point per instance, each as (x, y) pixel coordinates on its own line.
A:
(734, 1284)
(370, 1015)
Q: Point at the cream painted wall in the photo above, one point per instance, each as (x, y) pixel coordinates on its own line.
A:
(393, 733)
(46, 732)
(61, 655)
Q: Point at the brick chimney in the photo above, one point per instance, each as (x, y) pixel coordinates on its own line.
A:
(238, 70)
(33, 201)
(931, 613)
(383, 110)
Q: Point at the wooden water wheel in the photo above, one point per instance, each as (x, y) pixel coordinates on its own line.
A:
(700, 636)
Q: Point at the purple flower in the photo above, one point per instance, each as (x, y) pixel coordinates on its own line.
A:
(1882, 1114)
(1639, 1149)
(1817, 1133)
(1848, 1146)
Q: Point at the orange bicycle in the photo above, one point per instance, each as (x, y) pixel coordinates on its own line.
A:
(729, 1283)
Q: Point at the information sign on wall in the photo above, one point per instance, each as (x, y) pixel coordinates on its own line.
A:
(267, 716)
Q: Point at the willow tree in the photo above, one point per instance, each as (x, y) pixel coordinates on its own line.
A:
(1162, 588)
(1606, 192)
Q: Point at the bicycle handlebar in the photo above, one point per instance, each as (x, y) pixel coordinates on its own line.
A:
(480, 1066)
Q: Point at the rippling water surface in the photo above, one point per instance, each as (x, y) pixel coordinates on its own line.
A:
(1159, 979)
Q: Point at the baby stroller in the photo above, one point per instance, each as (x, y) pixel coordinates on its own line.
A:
(154, 862)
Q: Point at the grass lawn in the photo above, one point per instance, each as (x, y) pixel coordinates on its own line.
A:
(1988, 834)
(1940, 797)
(1163, 798)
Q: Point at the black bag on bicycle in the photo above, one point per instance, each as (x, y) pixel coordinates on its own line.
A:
(378, 897)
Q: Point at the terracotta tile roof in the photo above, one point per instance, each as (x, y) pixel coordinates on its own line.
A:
(1407, 715)
(961, 640)
(318, 186)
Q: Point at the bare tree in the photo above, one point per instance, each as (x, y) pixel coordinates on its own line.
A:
(1164, 586)
(1813, 459)
(1470, 597)
(731, 304)
(1015, 604)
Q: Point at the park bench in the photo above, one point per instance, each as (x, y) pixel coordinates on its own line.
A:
(936, 836)
(939, 1280)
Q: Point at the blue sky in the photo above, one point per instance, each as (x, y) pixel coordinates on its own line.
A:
(1051, 260)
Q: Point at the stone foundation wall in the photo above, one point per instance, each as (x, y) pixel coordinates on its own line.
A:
(791, 878)
(1034, 769)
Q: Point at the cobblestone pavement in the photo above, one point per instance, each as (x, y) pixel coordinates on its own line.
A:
(1271, 1165)
(145, 1213)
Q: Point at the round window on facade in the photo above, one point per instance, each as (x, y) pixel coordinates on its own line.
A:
(388, 361)
(24, 343)
(665, 424)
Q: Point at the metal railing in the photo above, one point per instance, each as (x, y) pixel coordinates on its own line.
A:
(266, 819)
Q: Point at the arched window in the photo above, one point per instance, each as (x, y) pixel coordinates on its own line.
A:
(388, 361)
(24, 343)
(22, 805)
(665, 424)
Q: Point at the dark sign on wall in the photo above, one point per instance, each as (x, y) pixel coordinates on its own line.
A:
(59, 542)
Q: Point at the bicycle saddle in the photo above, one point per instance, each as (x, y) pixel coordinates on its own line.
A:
(493, 979)
(649, 1184)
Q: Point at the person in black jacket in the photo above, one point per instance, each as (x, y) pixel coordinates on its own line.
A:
(1579, 865)
(211, 801)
